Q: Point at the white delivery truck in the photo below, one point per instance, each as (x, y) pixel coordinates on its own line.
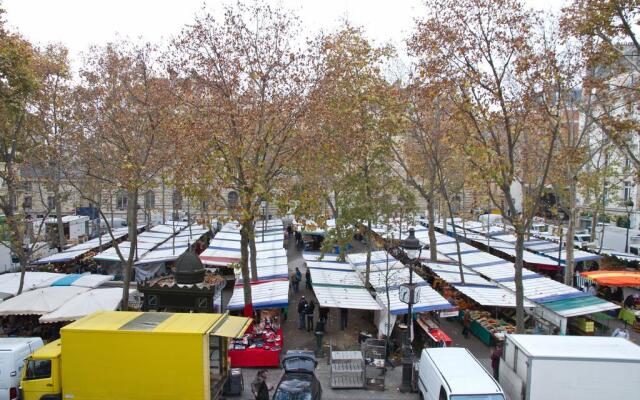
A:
(13, 352)
(453, 373)
(540, 367)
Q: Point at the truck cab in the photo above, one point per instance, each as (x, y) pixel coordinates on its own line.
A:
(42, 374)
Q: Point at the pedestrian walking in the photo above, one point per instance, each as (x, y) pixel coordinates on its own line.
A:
(307, 276)
(343, 318)
(298, 239)
(295, 282)
(302, 308)
(311, 307)
(495, 360)
(466, 323)
(259, 386)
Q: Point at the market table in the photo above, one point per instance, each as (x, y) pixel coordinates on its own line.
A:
(627, 316)
(438, 336)
(252, 357)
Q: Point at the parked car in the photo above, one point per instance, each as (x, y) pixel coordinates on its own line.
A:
(299, 381)
(13, 352)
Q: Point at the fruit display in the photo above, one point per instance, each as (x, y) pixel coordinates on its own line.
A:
(496, 327)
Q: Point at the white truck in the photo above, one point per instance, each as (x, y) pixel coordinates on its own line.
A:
(76, 228)
(540, 367)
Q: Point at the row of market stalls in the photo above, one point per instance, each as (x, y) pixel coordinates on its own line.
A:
(155, 249)
(80, 250)
(540, 254)
(50, 298)
(554, 302)
(342, 285)
(261, 346)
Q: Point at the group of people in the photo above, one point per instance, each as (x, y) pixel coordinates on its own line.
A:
(306, 310)
(296, 278)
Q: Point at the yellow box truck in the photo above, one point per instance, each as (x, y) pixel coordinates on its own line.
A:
(134, 355)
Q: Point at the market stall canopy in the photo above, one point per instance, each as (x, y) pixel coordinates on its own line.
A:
(83, 280)
(628, 257)
(160, 237)
(479, 289)
(272, 294)
(384, 279)
(173, 248)
(564, 300)
(40, 301)
(340, 288)
(78, 250)
(10, 282)
(103, 299)
(219, 256)
(614, 278)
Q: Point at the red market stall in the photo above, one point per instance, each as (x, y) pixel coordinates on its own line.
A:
(257, 348)
(261, 345)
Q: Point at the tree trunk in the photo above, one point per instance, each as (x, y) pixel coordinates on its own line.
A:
(132, 224)
(244, 264)
(518, 280)
(570, 261)
(594, 224)
(253, 251)
(368, 265)
(433, 254)
(58, 204)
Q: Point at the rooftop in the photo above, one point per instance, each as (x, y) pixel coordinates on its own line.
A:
(577, 347)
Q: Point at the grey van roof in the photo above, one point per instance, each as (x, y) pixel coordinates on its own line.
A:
(10, 344)
(462, 371)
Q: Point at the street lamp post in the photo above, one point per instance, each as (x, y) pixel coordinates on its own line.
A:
(407, 294)
(263, 206)
(628, 205)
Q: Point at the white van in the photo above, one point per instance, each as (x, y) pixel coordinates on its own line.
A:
(453, 373)
(13, 352)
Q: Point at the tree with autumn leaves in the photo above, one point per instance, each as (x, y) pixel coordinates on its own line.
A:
(486, 57)
(124, 135)
(243, 83)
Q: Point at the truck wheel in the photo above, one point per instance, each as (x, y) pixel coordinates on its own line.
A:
(420, 395)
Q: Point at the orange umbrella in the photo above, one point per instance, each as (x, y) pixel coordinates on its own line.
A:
(614, 278)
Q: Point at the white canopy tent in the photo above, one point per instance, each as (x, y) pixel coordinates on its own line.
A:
(272, 294)
(40, 301)
(103, 299)
(10, 282)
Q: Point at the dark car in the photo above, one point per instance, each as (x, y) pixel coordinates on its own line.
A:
(299, 381)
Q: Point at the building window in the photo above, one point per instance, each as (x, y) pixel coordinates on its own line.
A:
(232, 199)
(149, 199)
(51, 202)
(176, 199)
(27, 203)
(121, 200)
(627, 191)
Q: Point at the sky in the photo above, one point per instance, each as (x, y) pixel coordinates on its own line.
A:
(77, 24)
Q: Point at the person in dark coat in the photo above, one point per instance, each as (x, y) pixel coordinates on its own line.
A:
(259, 386)
(311, 307)
(495, 360)
(343, 318)
(466, 324)
(302, 309)
(307, 276)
